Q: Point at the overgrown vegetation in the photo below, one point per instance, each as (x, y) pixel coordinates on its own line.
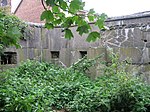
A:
(11, 29)
(42, 87)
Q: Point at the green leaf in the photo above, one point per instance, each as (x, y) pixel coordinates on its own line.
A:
(57, 22)
(100, 23)
(76, 5)
(68, 22)
(14, 32)
(81, 21)
(63, 5)
(49, 25)
(1, 47)
(75, 19)
(83, 29)
(55, 9)
(1, 15)
(60, 15)
(101, 20)
(93, 36)
(103, 16)
(91, 11)
(47, 15)
(17, 45)
(68, 34)
(91, 17)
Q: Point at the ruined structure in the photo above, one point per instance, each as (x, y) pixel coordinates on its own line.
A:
(127, 35)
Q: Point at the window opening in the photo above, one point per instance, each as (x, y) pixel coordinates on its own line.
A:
(83, 53)
(9, 58)
(54, 54)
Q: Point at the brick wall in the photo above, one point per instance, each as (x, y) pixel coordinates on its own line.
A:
(30, 10)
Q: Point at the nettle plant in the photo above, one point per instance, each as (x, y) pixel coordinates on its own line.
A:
(67, 13)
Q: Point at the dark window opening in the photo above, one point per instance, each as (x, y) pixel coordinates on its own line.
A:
(4, 2)
(83, 53)
(54, 54)
(9, 58)
(145, 40)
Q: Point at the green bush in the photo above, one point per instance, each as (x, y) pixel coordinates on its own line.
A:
(116, 93)
(35, 86)
(42, 87)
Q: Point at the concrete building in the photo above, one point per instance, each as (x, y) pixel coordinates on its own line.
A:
(129, 36)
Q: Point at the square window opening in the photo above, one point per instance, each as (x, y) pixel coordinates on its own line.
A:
(55, 54)
(9, 58)
(83, 54)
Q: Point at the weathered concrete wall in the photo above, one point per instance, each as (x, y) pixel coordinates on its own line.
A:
(128, 35)
(40, 42)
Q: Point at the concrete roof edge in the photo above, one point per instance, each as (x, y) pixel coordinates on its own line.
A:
(35, 24)
(132, 16)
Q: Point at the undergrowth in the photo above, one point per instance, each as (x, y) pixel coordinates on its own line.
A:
(42, 87)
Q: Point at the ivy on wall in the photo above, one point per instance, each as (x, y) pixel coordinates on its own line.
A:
(11, 29)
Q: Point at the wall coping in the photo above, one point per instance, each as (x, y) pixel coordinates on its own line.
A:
(132, 16)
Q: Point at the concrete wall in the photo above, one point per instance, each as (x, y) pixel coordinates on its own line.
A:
(41, 42)
(128, 35)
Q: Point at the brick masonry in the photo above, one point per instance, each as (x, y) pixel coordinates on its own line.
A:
(30, 10)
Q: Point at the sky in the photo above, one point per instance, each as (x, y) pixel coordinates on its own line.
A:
(118, 7)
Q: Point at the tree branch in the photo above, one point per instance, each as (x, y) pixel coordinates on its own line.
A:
(42, 1)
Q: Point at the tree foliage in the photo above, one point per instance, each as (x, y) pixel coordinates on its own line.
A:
(67, 13)
(10, 30)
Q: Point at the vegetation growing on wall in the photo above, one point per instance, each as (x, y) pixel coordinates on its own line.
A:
(66, 13)
(10, 30)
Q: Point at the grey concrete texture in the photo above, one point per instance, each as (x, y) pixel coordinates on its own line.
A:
(129, 35)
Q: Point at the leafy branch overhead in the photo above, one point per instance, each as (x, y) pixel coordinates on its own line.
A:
(67, 13)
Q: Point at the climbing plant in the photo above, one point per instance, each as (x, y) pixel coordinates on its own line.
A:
(67, 13)
(10, 30)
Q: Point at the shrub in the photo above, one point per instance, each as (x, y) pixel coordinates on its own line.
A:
(44, 87)
(35, 86)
